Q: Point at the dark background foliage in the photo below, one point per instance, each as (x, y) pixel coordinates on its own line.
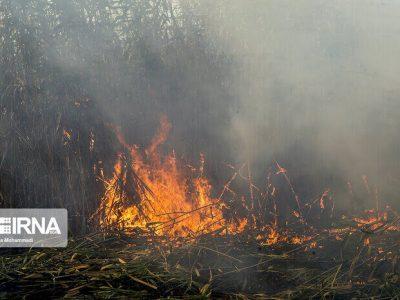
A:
(240, 81)
(69, 69)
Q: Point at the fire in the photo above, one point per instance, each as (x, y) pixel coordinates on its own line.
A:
(162, 195)
(377, 221)
(177, 200)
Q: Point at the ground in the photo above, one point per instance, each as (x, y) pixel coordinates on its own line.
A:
(119, 265)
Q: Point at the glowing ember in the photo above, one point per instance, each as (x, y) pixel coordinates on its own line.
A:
(374, 221)
(177, 202)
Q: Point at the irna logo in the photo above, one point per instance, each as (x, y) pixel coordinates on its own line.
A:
(33, 227)
(29, 225)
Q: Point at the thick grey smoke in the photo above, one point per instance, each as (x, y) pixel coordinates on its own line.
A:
(310, 84)
(318, 85)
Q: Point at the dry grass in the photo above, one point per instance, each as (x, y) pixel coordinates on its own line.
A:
(117, 265)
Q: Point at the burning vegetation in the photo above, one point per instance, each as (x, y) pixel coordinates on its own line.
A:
(175, 199)
(163, 195)
(194, 204)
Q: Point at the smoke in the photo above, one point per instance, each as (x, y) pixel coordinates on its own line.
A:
(310, 84)
(317, 87)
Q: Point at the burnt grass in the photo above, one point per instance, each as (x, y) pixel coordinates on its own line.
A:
(120, 265)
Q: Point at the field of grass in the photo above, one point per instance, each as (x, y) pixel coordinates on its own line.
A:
(115, 265)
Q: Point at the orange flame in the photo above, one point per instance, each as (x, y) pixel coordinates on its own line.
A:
(178, 200)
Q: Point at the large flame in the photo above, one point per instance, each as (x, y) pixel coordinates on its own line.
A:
(160, 194)
(178, 200)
